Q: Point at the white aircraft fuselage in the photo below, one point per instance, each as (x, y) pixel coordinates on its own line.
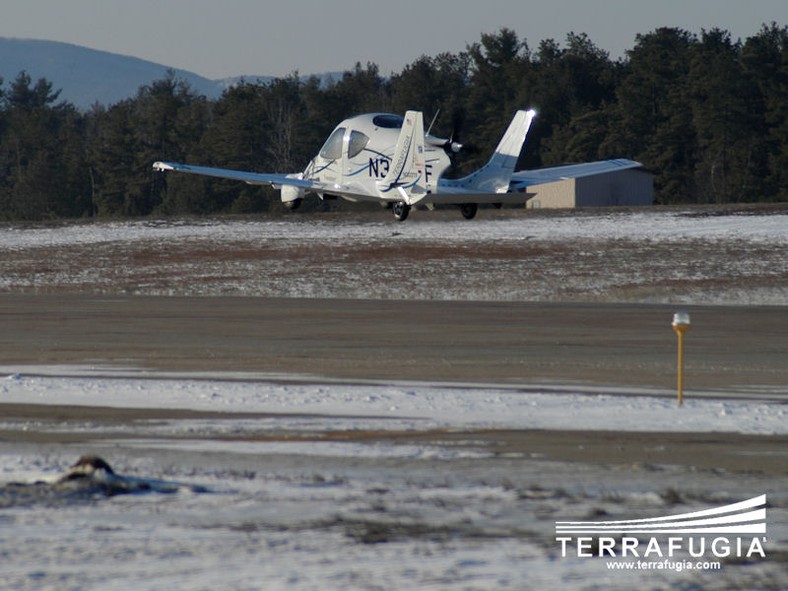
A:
(359, 152)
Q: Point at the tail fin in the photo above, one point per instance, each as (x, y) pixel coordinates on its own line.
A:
(406, 174)
(494, 177)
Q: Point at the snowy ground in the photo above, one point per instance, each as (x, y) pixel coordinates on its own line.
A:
(655, 256)
(404, 407)
(285, 511)
(290, 508)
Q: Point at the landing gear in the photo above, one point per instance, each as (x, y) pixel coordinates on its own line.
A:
(294, 204)
(468, 210)
(401, 211)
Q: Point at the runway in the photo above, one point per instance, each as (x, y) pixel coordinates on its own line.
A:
(729, 349)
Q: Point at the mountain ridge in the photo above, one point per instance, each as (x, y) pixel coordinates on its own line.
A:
(88, 76)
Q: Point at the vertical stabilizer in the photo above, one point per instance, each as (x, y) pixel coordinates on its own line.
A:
(406, 173)
(494, 177)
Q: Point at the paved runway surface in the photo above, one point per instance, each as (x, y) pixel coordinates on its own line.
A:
(728, 349)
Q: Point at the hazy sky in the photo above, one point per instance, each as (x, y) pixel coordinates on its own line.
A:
(221, 38)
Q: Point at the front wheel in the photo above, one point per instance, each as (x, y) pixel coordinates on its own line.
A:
(401, 211)
(468, 210)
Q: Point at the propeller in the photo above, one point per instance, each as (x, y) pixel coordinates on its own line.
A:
(453, 143)
(449, 144)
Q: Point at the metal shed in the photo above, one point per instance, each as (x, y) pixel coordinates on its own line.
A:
(632, 186)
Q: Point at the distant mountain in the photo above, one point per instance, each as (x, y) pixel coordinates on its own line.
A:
(87, 76)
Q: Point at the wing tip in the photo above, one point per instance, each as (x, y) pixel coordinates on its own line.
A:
(163, 166)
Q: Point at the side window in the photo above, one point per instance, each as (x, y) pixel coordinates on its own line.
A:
(358, 141)
(332, 149)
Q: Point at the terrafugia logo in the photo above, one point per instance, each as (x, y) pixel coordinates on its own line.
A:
(733, 528)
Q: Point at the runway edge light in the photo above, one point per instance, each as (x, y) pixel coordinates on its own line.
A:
(681, 323)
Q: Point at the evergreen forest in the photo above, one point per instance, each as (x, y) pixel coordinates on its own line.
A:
(707, 114)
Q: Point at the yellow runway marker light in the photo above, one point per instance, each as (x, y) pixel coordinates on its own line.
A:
(681, 323)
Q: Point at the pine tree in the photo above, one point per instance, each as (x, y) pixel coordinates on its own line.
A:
(42, 172)
(724, 120)
(654, 118)
(765, 65)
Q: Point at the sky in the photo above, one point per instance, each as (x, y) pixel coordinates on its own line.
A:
(223, 38)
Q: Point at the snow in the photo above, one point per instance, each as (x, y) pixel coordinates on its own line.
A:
(295, 514)
(403, 407)
(647, 225)
(647, 256)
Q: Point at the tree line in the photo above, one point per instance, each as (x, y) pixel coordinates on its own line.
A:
(706, 114)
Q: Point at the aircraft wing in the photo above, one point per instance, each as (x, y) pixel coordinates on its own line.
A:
(529, 178)
(252, 178)
(354, 192)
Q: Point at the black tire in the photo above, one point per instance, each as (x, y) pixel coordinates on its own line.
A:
(293, 205)
(468, 210)
(401, 211)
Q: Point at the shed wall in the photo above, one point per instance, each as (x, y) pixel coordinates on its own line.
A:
(625, 187)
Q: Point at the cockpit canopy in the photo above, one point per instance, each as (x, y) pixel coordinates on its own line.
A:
(369, 140)
(332, 149)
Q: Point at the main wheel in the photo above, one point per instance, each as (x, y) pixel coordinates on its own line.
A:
(468, 210)
(294, 204)
(401, 211)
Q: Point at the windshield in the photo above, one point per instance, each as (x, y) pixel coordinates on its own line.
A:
(358, 141)
(332, 149)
